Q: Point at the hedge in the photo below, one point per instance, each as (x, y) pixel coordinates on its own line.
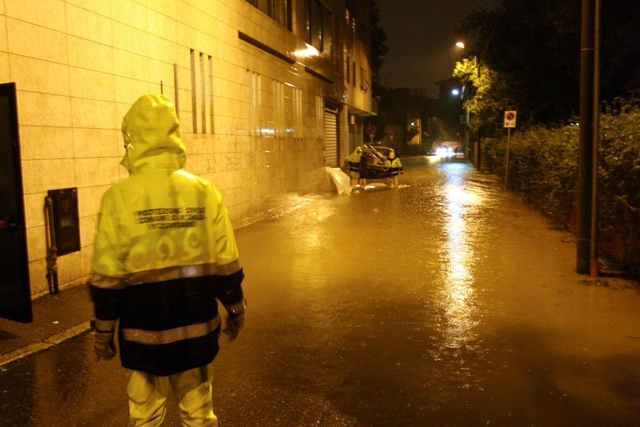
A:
(543, 171)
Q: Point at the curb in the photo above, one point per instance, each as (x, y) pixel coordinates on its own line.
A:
(45, 344)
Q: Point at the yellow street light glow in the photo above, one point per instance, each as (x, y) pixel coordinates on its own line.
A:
(460, 45)
(307, 52)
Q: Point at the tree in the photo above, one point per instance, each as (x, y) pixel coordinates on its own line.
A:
(439, 132)
(486, 97)
(533, 47)
(379, 47)
(620, 49)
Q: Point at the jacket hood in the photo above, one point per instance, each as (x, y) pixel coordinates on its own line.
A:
(152, 135)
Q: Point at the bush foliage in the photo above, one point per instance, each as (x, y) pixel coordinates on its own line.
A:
(543, 171)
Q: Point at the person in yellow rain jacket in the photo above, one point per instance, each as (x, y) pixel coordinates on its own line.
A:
(355, 167)
(164, 255)
(394, 167)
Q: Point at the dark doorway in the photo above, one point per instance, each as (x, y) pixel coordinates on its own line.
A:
(15, 291)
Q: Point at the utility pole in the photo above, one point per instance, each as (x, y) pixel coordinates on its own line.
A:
(587, 245)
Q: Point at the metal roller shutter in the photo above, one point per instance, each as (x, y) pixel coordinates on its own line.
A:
(331, 139)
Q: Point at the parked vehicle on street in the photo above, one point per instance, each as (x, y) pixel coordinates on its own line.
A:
(373, 163)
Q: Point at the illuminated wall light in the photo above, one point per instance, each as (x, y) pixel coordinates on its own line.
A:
(307, 52)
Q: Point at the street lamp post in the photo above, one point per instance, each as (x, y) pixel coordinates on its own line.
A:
(587, 233)
(467, 128)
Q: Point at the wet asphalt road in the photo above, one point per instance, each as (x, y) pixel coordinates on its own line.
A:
(446, 302)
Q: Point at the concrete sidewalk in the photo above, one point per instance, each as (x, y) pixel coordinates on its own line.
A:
(56, 318)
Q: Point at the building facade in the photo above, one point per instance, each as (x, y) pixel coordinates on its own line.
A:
(268, 93)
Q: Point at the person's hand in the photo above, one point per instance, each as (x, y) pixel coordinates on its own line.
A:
(235, 322)
(104, 345)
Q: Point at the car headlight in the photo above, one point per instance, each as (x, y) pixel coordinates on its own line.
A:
(444, 151)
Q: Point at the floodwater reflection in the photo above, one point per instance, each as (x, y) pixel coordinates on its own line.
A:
(458, 292)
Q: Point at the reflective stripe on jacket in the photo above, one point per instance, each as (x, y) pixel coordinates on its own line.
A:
(354, 161)
(394, 166)
(164, 250)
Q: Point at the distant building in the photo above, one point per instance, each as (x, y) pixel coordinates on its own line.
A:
(269, 92)
(405, 116)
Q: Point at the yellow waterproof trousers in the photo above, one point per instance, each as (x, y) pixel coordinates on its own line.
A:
(191, 389)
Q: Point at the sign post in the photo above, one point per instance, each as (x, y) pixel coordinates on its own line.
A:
(371, 130)
(509, 122)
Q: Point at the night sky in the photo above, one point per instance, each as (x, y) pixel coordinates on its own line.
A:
(421, 42)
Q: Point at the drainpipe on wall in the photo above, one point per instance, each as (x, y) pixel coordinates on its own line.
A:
(52, 250)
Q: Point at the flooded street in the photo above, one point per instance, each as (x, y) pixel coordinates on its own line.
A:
(445, 302)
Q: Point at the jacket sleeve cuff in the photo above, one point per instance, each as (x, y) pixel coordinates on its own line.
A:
(237, 308)
(104, 325)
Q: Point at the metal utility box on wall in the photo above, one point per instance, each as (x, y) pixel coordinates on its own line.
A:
(65, 223)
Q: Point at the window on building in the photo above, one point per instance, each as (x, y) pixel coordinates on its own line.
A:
(351, 16)
(327, 32)
(194, 93)
(364, 82)
(347, 68)
(315, 25)
(254, 85)
(202, 117)
(279, 10)
(320, 27)
(353, 70)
